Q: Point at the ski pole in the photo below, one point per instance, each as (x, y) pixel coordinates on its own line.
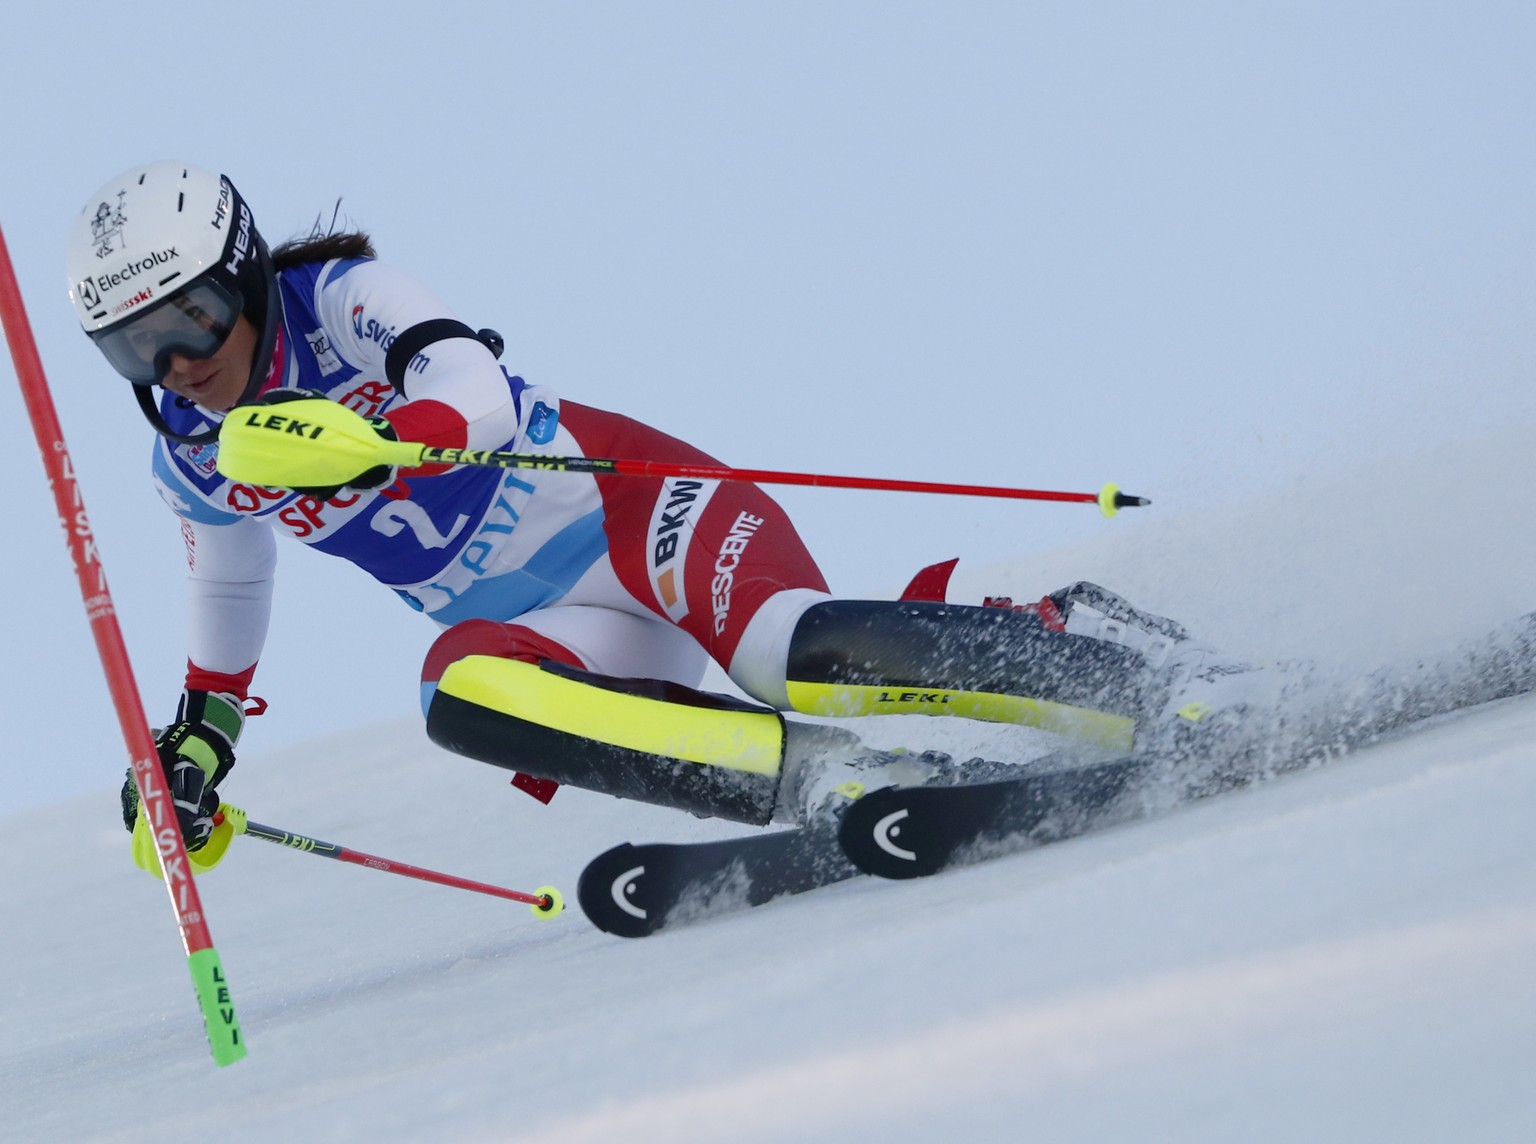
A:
(313, 442)
(546, 902)
(219, 1020)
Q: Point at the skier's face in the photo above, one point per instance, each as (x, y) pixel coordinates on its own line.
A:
(216, 382)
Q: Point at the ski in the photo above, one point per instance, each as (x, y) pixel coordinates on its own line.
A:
(984, 809)
(911, 832)
(633, 891)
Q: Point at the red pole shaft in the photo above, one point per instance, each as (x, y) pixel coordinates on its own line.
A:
(822, 480)
(154, 799)
(358, 858)
(386, 865)
(1109, 499)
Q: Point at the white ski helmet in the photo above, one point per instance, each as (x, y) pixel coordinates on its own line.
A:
(164, 259)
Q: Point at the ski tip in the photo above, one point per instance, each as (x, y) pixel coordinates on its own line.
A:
(886, 833)
(613, 893)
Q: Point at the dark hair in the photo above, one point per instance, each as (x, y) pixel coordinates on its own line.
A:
(322, 244)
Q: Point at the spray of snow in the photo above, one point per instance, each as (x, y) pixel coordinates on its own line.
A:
(1334, 956)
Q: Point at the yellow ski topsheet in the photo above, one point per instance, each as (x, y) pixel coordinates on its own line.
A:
(841, 699)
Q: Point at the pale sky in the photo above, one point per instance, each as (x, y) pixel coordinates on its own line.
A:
(1195, 248)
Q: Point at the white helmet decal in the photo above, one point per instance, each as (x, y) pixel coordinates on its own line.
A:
(107, 224)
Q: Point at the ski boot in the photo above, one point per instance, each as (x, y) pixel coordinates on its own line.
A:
(1206, 704)
(823, 789)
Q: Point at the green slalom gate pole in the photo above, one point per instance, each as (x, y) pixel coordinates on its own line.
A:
(213, 995)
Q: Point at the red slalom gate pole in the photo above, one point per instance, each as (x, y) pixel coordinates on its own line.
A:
(219, 1020)
(546, 902)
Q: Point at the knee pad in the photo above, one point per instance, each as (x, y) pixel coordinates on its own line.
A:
(486, 637)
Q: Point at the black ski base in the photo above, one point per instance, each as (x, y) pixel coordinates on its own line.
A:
(633, 891)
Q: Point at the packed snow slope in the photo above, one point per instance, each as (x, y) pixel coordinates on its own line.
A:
(1341, 955)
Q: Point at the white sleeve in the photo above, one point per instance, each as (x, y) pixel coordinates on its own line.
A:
(229, 592)
(371, 305)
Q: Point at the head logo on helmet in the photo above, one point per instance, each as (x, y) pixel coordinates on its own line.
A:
(221, 212)
(242, 241)
(152, 246)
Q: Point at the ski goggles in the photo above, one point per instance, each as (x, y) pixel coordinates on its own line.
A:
(193, 322)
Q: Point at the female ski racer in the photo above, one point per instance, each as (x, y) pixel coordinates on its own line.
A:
(577, 612)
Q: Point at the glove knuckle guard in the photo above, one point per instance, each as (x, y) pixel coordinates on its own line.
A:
(195, 753)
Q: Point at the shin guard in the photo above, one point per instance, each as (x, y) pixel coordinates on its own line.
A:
(644, 739)
(857, 657)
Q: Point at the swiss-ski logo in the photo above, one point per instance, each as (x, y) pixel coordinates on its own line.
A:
(372, 330)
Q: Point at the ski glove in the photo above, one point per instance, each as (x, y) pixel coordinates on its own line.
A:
(378, 477)
(196, 752)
